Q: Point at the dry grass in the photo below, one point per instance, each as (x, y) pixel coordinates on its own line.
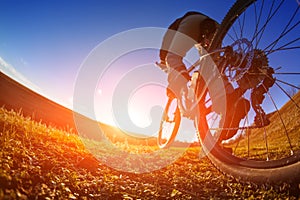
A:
(279, 136)
(41, 162)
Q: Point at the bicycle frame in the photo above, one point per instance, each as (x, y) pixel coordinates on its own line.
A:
(194, 95)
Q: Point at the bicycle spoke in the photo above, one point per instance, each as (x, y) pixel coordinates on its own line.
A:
(281, 119)
(288, 73)
(241, 135)
(271, 14)
(235, 34)
(241, 25)
(258, 19)
(247, 131)
(259, 33)
(266, 143)
(286, 83)
(284, 47)
(287, 95)
(284, 32)
(248, 143)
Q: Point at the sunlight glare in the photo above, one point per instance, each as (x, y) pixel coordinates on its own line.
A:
(142, 104)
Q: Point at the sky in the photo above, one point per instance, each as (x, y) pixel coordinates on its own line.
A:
(46, 44)
(46, 41)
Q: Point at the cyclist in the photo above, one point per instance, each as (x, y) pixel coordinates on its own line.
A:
(182, 35)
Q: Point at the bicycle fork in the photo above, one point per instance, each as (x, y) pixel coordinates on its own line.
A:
(188, 105)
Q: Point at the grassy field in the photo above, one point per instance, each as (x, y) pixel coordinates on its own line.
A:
(280, 136)
(41, 162)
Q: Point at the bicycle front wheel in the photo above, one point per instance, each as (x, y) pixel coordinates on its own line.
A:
(170, 123)
(271, 153)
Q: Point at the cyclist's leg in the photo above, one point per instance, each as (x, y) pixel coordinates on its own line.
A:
(233, 118)
(178, 76)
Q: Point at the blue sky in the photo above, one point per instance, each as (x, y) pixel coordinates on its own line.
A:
(46, 41)
(43, 43)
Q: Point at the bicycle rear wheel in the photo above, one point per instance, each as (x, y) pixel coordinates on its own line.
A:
(270, 154)
(169, 124)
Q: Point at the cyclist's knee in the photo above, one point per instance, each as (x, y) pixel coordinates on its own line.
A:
(175, 62)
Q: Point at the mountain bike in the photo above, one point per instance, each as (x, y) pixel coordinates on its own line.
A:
(256, 38)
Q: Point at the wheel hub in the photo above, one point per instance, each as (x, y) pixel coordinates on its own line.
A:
(259, 63)
(257, 71)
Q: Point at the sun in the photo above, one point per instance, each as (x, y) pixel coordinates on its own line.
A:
(144, 104)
